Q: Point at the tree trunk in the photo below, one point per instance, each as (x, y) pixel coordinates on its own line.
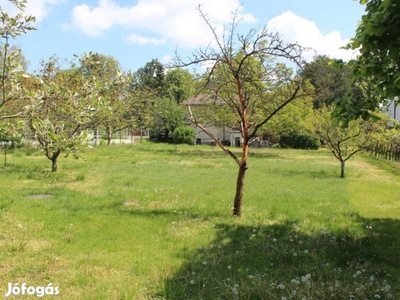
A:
(53, 159)
(5, 155)
(237, 202)
(109, 137)
(96, 136)
(342, 165)
(54, 165)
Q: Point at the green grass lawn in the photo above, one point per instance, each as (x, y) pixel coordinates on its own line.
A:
(153, 222)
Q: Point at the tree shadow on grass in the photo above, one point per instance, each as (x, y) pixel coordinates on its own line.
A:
(170, 213)
(321, 173)
(216, 152)
(266, 154)
(283, 261)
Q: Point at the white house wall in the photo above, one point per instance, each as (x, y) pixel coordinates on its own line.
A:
(223, 134)
(393, 109)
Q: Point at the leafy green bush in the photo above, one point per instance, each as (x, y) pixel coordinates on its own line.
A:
(297, 140)
(144, 141)
(184, 135)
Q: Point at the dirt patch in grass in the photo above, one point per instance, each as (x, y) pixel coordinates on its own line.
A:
(370, 172)
(37, 245)
(39, 196)
(31, 245)
(130, 203)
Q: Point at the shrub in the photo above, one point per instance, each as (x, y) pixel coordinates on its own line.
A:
(184, 135)
(297, 140)
(144, 141)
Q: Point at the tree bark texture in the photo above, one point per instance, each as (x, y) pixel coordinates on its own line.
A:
(342, 166)
(237, 202)
(54, 165)
(109, 137)
(54, 159)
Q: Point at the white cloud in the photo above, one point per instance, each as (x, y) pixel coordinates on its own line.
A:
(177, 21)
(36, 8)
(167, 59)
(40, 8)
(94, 20)
(141, 40)
(297, 29)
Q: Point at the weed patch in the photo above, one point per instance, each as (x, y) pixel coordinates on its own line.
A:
(153, 222)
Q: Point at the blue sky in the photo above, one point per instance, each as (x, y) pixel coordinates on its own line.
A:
(135, 32)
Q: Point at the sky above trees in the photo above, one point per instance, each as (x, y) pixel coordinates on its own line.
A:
(134, 32)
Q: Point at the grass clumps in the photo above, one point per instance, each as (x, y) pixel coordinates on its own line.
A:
(281, 262)
(153, 221)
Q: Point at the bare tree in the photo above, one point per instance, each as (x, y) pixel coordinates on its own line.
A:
(342, 141)
(248, 75)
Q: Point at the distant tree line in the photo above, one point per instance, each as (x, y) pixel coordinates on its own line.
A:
(325, 101)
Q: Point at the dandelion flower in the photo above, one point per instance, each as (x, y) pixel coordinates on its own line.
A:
(235, 291)
(295, 281)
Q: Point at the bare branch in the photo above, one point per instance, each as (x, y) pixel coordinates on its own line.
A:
(276, 110)
(351, 154)
(212, 136)
(245, 72)
(20, 114)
